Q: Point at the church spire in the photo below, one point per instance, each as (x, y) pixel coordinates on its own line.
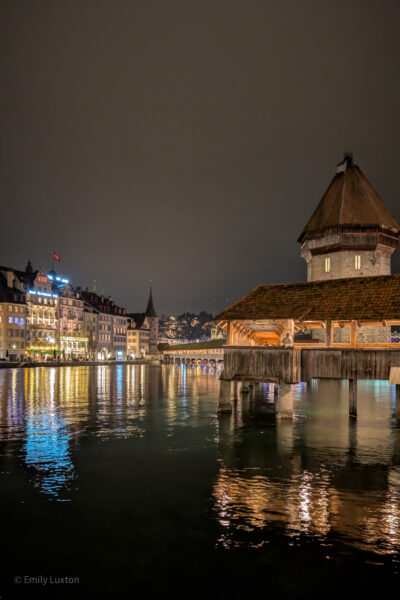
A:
(150, 310)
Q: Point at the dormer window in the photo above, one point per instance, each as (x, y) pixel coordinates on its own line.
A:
(327, 264)
(357, 262)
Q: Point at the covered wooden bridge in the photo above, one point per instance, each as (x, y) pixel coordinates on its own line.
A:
(288, 333)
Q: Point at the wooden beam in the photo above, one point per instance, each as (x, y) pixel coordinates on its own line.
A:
(353, 397)
(229, 334)
(353, 333)
(329, 332)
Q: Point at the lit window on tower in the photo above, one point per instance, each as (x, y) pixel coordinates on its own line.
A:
(357, 262)
(327, 264)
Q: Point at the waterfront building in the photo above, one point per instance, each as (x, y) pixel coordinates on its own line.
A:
(138, 335)
(120, 324)
(111, 326)
(73, 340)
(104, 348)
(13, 317)
(90, 327)
(143, 330)
(42, 302)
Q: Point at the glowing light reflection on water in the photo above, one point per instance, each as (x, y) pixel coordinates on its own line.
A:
(318, 476)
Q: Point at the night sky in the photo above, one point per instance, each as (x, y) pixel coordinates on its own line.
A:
(188, 142)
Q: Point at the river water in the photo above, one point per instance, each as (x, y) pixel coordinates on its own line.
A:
(125, 480)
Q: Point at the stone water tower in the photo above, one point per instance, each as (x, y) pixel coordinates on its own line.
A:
(351, 233)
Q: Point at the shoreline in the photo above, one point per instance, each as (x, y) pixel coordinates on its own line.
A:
(78, 363)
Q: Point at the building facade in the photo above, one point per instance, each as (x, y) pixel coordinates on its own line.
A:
(73, 340)
(13, 318)
(111, 326)
(91, 329)
(143, 331)
(42, 316)
(120, 324)
(42, 303)
(138, 336)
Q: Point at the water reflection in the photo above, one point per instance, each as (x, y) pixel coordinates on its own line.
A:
(46, 412)
(319, 475)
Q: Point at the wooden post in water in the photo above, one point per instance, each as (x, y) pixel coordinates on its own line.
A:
(225, 396)
(353, 397)
(283, 401)
(394, 379)
(234, 390)
(245, 387)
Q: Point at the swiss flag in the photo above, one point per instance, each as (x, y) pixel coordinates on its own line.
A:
(56, 257)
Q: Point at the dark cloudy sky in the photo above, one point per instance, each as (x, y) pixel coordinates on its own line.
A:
(187, 141)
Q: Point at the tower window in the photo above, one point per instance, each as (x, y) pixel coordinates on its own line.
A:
(327, 265)
(357, 262)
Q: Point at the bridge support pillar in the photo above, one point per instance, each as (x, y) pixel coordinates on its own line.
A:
(253, 389)
(234, 390)
(397, 409)
(225, 396)
(353, 398)
(283, 401)
(245, 387)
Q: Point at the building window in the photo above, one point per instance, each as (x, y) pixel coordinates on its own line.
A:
(357, 262)
(327, 264)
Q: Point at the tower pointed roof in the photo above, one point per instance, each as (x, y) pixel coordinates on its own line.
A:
(350, 201)
(150, 310)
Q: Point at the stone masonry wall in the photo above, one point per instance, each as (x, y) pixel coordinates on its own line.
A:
(342, 264)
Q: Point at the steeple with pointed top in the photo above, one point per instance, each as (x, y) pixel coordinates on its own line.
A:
(150, 310)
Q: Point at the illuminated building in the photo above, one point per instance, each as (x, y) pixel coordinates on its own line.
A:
(42, 304)
(138, 335)
(74, 343)
(13, 312)
(90, 327)
(142, 334)
(111, 327)
(120, 323)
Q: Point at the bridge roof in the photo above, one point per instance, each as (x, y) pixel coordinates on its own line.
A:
(354, 298)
